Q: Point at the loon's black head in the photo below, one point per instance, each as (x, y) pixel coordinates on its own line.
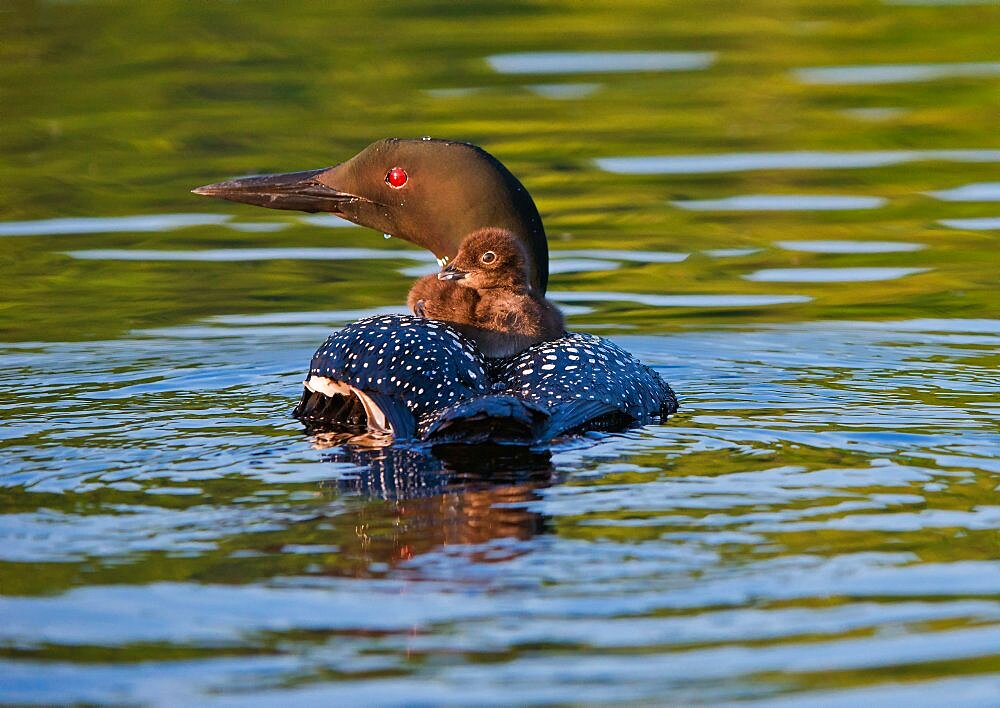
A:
(429, 192)
(489, 258)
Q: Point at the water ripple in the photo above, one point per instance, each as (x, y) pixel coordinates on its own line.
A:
(782, 202)
(110, 224)
(691, 300)
(598, 62)
(563, 92)
(850, 246)
(794, 160)
(830, 275)
(986, 223)
(977, 192)
(247, 254)
(893, 73)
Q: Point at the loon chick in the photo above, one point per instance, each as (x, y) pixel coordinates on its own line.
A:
(422, 379)
(485, 294)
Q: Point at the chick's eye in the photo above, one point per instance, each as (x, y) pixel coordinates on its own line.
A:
(396, 177)
(488, 257)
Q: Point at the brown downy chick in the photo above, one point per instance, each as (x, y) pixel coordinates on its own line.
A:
(485, 293)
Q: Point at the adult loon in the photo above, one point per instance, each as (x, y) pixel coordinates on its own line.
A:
(420, 378)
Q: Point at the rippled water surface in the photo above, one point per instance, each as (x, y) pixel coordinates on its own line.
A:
(789, 209)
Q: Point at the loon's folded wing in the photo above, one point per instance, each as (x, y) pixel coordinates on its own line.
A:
(586, 382)
(396, 368)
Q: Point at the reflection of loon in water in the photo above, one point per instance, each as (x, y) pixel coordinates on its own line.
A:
(397, 503)
(400, 473)
(421, 378)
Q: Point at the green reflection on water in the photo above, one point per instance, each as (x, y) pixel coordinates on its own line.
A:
(120, 110)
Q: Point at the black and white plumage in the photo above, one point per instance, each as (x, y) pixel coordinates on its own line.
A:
(422, 380)
(587, 381)
(397, 367)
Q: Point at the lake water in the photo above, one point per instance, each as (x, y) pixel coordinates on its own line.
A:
(790, 209)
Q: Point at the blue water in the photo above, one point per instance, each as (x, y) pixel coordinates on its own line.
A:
(813, 512)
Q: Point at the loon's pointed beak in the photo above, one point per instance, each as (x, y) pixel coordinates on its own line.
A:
(450, 272)
(300, 191)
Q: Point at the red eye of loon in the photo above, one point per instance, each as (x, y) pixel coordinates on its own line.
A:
(396, 177)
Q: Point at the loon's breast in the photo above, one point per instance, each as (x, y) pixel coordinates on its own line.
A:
(422, 380)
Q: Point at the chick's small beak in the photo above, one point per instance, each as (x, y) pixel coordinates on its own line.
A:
(450, 272)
